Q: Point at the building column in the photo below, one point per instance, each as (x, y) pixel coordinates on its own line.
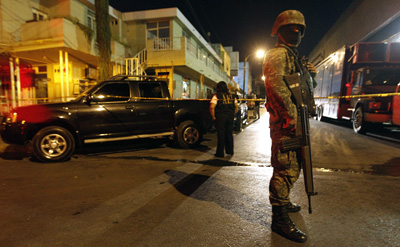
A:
(16, 99)
(171, 81)
(12, 82)
(201, 86)
(18, 75)
(61, 74)
(67, 74)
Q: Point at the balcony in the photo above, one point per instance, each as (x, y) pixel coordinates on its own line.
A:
(58, 32)
(178, 51)
(42, 40)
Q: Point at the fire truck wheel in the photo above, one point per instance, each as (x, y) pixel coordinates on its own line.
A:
(359, 125)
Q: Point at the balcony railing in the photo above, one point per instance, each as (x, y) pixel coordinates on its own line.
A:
(166, 44)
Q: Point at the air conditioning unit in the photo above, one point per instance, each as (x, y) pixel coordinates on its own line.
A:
(91, 73)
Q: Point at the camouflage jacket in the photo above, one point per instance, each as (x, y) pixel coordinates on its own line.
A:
(279, 62)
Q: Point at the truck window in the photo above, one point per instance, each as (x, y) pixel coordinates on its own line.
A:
(112, 92)
(382, 77)
(358, 82)
(150, 90)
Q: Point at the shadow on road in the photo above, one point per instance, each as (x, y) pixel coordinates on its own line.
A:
(15, 152)
(391, 168)
(246, 207)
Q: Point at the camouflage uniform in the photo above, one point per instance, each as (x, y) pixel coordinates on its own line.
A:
(279, 62)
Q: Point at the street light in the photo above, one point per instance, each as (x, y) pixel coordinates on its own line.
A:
(259, 54)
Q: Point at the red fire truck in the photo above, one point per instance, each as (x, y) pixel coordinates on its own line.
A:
(360, 83)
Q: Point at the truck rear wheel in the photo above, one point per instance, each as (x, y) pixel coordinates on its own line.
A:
(188, 135)
(359, 125)
(53, 144)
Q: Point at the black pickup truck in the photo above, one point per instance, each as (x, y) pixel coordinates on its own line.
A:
(122, 108)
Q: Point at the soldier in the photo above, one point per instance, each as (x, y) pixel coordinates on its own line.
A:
(281, 61)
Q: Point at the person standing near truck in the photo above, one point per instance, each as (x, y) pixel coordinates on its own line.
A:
(283, 60)
(223, 107)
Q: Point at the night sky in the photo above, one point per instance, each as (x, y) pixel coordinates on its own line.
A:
(246, 24)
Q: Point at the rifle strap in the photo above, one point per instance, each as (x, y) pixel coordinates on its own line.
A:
(305, 79)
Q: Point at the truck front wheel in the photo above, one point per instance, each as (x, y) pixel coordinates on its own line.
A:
(359, 125)
(188, 135)
(53, 144)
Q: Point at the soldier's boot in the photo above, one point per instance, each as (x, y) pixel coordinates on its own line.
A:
(284, 226)
(292, 208)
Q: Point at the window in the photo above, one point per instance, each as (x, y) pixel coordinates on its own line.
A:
(371, 52)
(39, 15)
(158, 30)
(91, 20)
(113, 92)
(381, 77)
(150, 90)
(185, 34)
(42, 69)
(358, 82)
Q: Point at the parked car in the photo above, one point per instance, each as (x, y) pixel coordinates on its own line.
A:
(242, 115)
(251, 103)
(121, 108)
(253, 106)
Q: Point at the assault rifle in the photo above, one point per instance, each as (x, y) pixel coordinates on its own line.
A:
(302, 140)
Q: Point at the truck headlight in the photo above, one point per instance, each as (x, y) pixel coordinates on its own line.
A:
(12, 117)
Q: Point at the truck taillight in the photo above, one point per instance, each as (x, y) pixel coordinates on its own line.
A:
(374, 105)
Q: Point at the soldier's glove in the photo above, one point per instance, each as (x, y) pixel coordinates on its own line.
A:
(311, 69)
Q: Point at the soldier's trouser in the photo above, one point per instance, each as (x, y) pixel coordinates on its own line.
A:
(286, 172)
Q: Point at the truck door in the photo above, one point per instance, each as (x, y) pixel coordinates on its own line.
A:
(153, 108)
(356, 87)
(109, 113)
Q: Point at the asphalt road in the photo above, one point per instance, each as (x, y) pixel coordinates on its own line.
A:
(149, 193)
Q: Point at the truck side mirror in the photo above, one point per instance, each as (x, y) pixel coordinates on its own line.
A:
(89, 99)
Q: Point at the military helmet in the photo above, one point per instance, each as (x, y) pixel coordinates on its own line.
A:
(286, 18)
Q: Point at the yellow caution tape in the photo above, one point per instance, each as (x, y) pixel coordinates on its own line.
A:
(57, 99)
(360, 96)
